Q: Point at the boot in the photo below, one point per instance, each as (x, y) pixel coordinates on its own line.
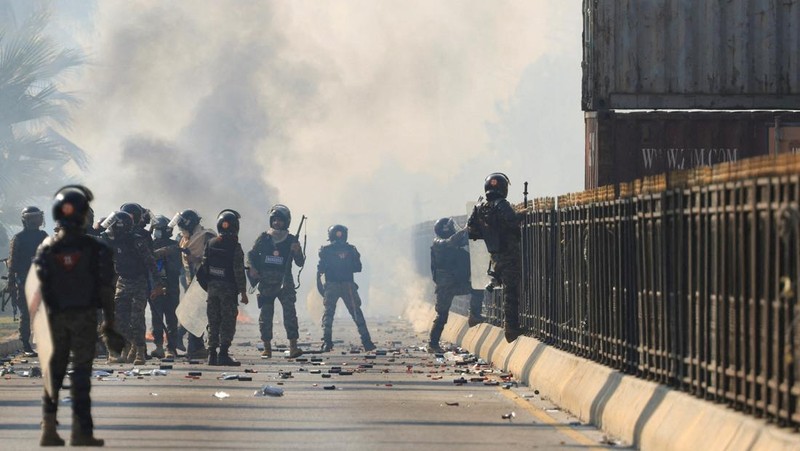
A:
(369, 346)
(225, 359)
(131, 356)
(267, 352)
(434, 348)
(213, 360)
(327, 345)
(158, 352)
(294, 351)
(140, 355)
(473, 321)
(83, 438)
(28, 350)
(122, 357)
(199, 354)
(170, 353)
(512, 331)
(49, 433)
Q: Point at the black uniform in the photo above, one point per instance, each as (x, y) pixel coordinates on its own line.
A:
(76, 273)
(498, 225)
(450, 269)
(22, 250)
(162, 308)
(338, 261)
(273, 261)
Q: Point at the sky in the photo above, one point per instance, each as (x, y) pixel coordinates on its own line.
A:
(373, 114)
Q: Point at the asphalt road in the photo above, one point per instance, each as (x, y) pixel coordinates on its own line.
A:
(401, 398)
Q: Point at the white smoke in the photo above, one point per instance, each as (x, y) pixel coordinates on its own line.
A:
(372, 114)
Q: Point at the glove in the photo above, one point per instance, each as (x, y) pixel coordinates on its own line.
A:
(320, 287)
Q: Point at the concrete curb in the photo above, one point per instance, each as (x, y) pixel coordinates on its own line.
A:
(646, 414)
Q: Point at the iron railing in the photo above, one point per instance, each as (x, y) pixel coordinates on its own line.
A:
(694, 287)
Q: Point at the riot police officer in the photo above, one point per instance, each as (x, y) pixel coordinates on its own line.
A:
(134, 264)
(450, 268)
(222, 275)
(192, 243)
(76, 277)
(22, 250)
(270, 262)
(498, 225)
(337, 263)
(163, 306)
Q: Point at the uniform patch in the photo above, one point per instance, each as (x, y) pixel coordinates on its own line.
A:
(68, 261)
(273, 260)
(216, 272)
(342, 255)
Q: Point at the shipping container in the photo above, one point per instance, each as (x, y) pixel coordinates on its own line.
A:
(689, 54)
(621, 147)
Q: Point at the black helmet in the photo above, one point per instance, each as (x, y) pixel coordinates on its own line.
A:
(118, 224)
(161, 222)
(444, 228)
(496, 183)
(186, 220)
(135, 210)
(71, 207)
(32, 217)
(337, 232)
(228, 222)
(281, 211)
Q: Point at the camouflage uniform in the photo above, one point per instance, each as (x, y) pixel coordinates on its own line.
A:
(451, 274)
(133, 262)
(223, 265)
(498, 225)
(338, 261)
(21, 253)
(275, 271)
(162, 308)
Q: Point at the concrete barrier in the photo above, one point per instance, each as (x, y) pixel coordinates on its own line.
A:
(646, 414)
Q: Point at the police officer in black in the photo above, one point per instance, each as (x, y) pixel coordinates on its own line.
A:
(162, 307)
(450, 268)
(498, 225)
(76, 274)
(337, 263)
(23, 248)
(221, 274)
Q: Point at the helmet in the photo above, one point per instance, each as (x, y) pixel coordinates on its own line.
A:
(228, 222)
(444, 228)
(118, 224)
(337, 232)
(281, 211)
(186, 220)
(135, 210)
(161, 223)
(71, 207)
(32, 217)
(496, 183)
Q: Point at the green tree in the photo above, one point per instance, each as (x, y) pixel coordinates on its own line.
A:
(34, 156)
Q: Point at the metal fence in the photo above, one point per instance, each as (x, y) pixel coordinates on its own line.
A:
(694, 287)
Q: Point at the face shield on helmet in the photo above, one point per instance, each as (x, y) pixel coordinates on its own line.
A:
(160, 227)
(135, 210)
(32, 218)
(282, 212)
(118, 224)
(185, 220)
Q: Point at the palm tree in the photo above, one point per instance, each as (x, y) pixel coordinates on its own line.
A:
(33, 154)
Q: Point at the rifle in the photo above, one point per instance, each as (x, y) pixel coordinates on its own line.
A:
(288, 263)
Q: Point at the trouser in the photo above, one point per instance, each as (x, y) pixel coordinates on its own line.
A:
(444, 300)
(162, 311)
(348, 293)
(222, 309)
(73, 331)
(130, 301)
(507, 268)
(24, 316)
(266, 302)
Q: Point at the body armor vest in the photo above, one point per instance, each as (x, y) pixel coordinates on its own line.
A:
(270, 258)
(220, 252)
(70, 274)
(338, 261)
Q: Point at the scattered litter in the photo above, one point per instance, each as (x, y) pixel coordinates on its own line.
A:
(229, 377)
(153, 394)
(315, 371)
(250, 370)
(67, 400)
(195, 373)
(509, 416)
(326, 376)
(536, 392)
(460, 381)
(221, 395)
(492, 383)
(167, 360)
(553, 410)
(245, 379)
(451, 404)
(329, 387)
(268, 390)
(165, 367)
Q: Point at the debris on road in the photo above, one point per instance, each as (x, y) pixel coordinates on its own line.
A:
(221, 395)
(268, 390)
(509, 416)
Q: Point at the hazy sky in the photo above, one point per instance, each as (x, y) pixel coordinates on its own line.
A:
(373, 114)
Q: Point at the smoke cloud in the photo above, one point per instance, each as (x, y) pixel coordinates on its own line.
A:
(372, 114)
